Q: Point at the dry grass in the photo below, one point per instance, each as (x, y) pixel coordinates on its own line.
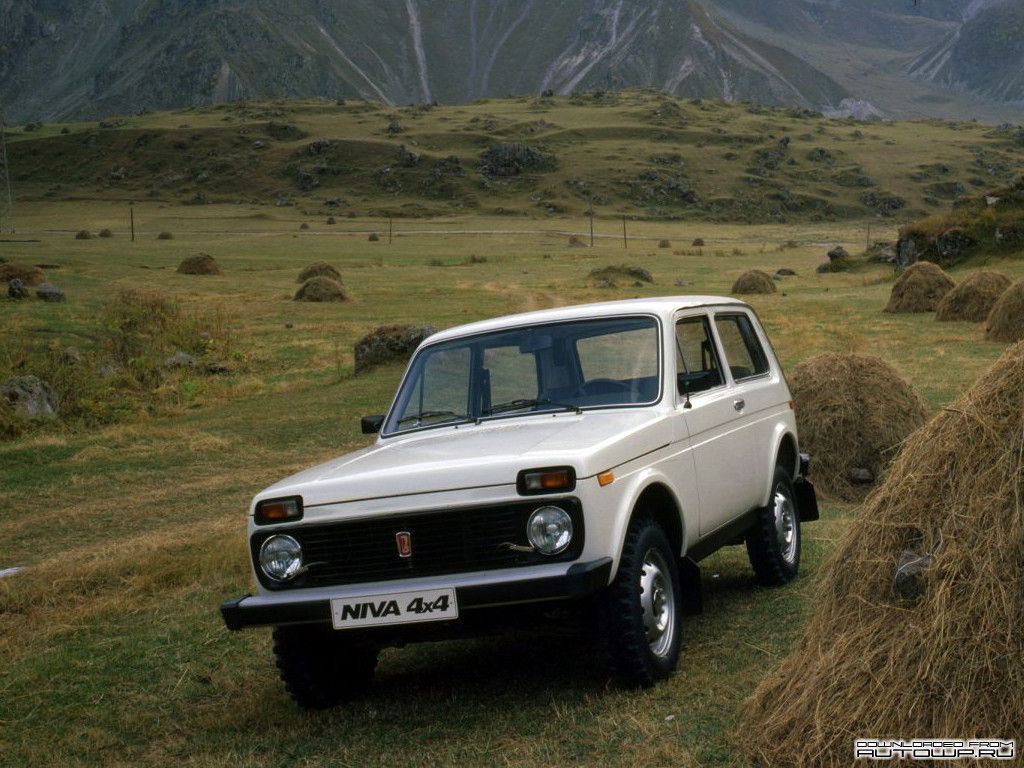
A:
(319, 269)
(28, 274)
(1006, 321)
(200, 264)
(919, 289)
(973, 297)
(945, 661)
(852, 411)
(321, 289)
(753, 281)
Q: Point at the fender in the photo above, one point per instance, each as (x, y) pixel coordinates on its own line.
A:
(780, 433)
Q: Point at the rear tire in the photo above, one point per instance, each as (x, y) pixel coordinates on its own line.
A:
(320, 667)
(773, 543)
(643, 608)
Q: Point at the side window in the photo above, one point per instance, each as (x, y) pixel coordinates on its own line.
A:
(697, 366)
(743, 350)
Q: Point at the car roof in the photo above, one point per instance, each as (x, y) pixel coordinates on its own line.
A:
(663, 306)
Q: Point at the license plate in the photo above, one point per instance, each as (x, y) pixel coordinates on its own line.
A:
(394, 608)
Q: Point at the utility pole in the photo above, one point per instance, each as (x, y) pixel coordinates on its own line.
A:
(6, 201)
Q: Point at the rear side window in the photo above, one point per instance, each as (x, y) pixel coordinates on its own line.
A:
(743, 351)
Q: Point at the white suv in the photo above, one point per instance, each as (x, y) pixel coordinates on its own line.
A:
(580, 456)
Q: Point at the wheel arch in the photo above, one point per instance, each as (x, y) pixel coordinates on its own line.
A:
(785, 455)
(660, 502)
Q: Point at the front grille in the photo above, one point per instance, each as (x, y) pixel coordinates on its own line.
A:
(443, 542)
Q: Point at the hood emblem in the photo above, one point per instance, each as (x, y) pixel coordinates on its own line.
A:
(404, 541)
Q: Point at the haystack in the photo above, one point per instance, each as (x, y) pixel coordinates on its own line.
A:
(754, 281)
(320, 269)
(973, 298)
(28, 274)
(200, 264)
(934, 651)
(919, 289)
(852, 413)
(321, 289)
(1006, 321)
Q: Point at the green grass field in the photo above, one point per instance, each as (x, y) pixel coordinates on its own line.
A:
(131, 532)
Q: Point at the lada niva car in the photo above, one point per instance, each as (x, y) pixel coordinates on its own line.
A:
(587, 454)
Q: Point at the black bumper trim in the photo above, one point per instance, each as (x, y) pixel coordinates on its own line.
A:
(579, 580)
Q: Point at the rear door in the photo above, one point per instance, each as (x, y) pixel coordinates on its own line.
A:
(724, 455)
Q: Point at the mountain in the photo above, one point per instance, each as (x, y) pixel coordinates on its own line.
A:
(64, 59)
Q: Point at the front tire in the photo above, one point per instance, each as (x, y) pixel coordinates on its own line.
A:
(321, 668)
(773, 543)
(643, 608)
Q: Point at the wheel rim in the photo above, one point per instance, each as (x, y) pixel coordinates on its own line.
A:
(785, 524)
(657, 599)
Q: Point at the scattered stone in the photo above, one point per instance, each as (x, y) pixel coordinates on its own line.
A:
(605, 283)
(784, 272)
(50, 292)
(16, 289)
(216, 369)
(390, 342)
(289, 326)
(70, 356)
(31, 397)
(180, 360)
(681, 283)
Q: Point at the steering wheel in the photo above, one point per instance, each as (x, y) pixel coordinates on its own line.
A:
(601, 387)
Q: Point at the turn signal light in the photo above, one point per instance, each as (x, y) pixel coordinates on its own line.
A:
(547, 480)
(279, 510)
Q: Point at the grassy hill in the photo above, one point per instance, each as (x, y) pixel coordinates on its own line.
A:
(637, 153)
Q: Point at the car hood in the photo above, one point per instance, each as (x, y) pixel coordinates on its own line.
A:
(480, 455)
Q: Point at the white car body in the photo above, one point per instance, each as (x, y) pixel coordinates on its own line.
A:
(701, 462)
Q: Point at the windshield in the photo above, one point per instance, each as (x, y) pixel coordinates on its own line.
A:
(561, 366)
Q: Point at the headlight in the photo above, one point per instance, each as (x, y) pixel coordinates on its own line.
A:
(549, 530)
(280, 557)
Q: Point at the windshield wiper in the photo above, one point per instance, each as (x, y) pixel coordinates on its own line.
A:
(447, 415)
(523, 403)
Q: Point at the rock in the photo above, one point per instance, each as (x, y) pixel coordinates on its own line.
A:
(906, 254)
(216, 369)
(824, 267)
(604, 284)
(861, 475)
(16, 289)
(783, 272)
(390, 342)
(49, 292)
(180, 360)
(954, 242)
(31, 397)
(71, 356)
(838, 253)
(681, 283)
(637, 284)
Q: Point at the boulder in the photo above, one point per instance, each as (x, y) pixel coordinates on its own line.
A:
(180, 360)
(16, 289)
(31, 397)
(50, 292)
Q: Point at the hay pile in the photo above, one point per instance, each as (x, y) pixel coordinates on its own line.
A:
(943, 663)
(852, 413)
(753, 281)
(200, 264)
(321, 289)
(919, 289)
(973, 298)
(319, 269)
(1006, 321)
(28, 274)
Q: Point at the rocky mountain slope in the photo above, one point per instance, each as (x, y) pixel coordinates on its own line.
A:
(62, 59)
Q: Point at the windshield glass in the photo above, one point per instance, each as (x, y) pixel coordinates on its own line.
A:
(561, 366)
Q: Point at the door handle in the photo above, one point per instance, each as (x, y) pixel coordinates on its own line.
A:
(739, 404)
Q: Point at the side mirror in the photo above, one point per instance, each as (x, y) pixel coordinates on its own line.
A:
(371, 424)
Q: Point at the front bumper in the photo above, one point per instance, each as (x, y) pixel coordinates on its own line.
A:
(473, 591)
